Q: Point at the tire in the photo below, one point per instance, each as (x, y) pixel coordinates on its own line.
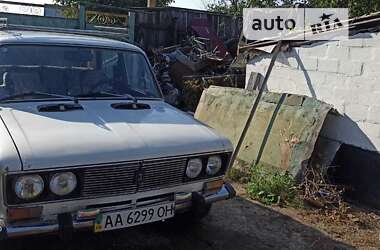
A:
(198, 213)
(194, 215)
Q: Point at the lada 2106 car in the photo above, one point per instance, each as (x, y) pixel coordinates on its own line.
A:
(87, 141)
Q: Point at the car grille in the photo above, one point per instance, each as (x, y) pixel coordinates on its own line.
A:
(121, 178)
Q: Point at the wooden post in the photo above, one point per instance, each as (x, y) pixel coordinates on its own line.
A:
(131, 27)
(152, 3)
(82, 17)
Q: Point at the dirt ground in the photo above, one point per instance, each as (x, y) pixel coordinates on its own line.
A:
(235, 224)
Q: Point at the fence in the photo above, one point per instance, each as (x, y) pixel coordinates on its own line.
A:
(146, 27)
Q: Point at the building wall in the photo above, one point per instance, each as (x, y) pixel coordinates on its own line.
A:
(345, 74)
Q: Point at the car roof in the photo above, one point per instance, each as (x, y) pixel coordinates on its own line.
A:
(51, 38)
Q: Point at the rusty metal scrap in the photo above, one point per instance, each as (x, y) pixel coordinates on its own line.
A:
(182, 70)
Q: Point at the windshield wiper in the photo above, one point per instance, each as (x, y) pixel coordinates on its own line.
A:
(37, 93)
(104, 93)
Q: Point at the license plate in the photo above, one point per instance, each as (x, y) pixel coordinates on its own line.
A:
(133, 217)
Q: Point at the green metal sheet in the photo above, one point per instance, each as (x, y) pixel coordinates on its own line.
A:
(283, 132)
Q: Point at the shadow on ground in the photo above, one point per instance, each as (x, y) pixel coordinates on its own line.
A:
(235, 224)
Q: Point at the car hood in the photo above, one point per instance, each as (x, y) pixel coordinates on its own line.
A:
(101, 134)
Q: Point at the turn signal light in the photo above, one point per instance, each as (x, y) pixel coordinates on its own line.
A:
(24, 213)
(213, 186)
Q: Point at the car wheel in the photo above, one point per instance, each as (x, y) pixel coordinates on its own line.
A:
(195, 214)
(199, 213)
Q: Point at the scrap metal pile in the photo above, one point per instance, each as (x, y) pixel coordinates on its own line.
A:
(183, 71)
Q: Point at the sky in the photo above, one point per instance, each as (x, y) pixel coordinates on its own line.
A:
(32, 1)
(191, 4)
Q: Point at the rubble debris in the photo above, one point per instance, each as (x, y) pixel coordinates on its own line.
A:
(171, 93)
(202, 28)
(193, 87)
(185, 70)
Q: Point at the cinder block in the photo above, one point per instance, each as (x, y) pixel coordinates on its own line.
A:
(296, 76)
(341, 93)
(350, 68)
(375, 85)
(372, 42)
(340, 53)
(335, 80)
(260, 68)
(371, 130)
(356, 112)
(371, 70)
(282, 72)
(313, 51)
(360, 84)
(339, 106)
(325, 94)
(328, 65)
(376, 52)
(362, 54)
(373, 98)
(374, 114)
(376, 35)
(316, 78)
(308, 64)
(361, 92)
(353, 42)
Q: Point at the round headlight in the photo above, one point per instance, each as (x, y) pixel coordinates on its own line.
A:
(29, 187)
(214, 164)
(194, 168)
(63, 183)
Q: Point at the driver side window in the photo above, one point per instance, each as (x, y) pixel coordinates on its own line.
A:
(109, 62)
(139, 74)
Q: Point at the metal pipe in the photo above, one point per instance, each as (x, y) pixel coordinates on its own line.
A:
(256, 103)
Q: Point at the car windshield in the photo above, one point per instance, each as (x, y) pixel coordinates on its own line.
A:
(74, 71)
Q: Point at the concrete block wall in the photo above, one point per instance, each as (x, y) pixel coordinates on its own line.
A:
(345, 74)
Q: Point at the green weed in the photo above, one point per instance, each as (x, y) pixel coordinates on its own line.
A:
(271, 186)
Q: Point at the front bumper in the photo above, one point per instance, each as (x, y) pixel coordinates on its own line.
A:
(183, 203)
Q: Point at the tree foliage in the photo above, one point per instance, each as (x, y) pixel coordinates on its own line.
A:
(235, 7)
(115, 3)
(70, 7)
(356, 7)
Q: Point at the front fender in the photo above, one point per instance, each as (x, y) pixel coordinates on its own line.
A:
(9, 156)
